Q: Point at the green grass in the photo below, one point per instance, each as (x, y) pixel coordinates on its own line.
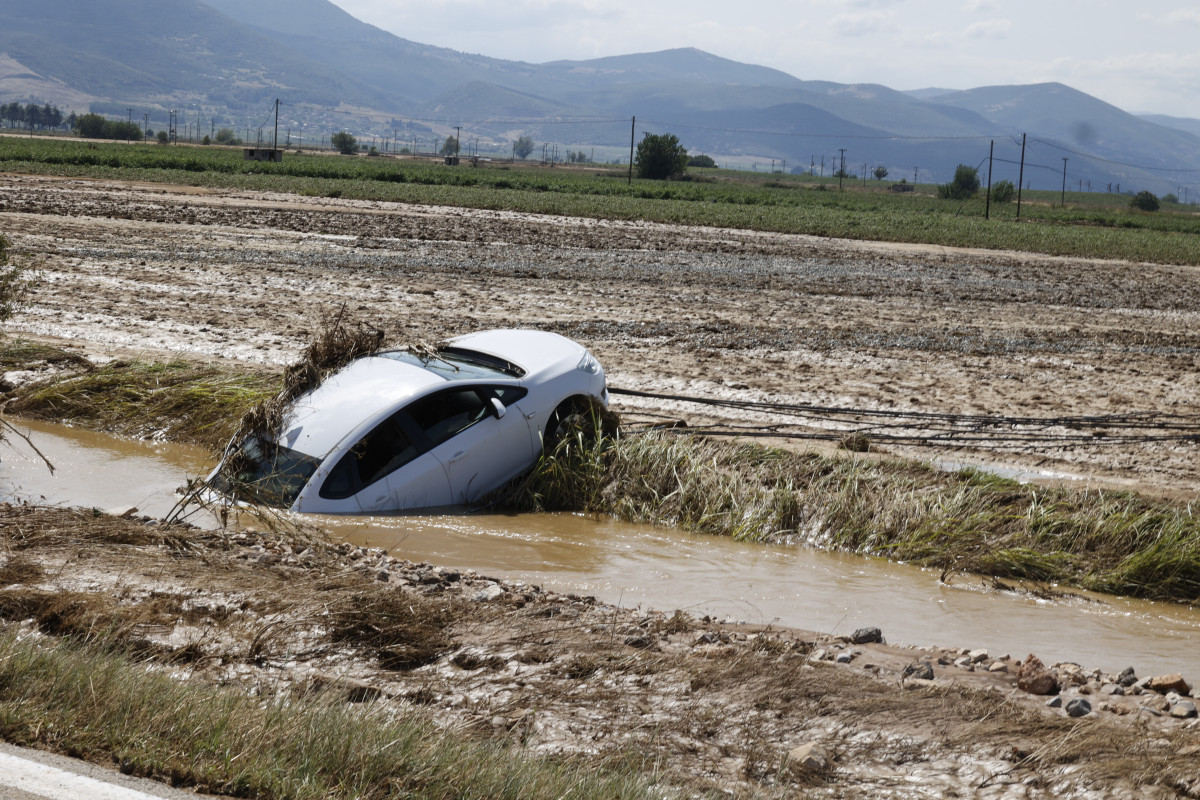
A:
(1114, 542)
(1090, 225)
(92, 703)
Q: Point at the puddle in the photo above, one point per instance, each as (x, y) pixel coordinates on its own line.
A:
(634, 565)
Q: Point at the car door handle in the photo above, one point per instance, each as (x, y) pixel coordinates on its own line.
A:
(457, 456)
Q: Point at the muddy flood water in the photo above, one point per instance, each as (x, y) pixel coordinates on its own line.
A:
(633, 565)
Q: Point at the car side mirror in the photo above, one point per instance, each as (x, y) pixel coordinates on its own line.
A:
(497, 407)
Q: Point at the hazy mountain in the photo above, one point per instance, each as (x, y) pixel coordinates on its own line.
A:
(1064, 122)
(233, 57)
(1187, 124)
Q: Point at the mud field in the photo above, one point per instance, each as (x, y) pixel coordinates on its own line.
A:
(156, 270)
(672, 309)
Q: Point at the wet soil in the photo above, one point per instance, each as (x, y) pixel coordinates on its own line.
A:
(673, 309)
(129, 268)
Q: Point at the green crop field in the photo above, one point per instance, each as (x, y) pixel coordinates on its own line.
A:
(1089, 224)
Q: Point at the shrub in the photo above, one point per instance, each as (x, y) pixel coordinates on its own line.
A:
(1003, 191)
(344, 142)
(1145, 201)
(701, 161)
(660, 156)
(964, 186)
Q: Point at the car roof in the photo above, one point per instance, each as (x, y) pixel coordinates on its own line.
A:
(366, 389)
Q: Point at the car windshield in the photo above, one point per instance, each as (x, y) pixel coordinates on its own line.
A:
(264, 472)
(455, 363)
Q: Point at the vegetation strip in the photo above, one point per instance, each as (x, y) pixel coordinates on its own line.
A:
(1115, 542)
(96, 704)
(1089, 227)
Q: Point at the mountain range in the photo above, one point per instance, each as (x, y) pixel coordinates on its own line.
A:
(228, 60)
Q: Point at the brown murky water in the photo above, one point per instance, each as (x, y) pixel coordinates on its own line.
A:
(665, 569)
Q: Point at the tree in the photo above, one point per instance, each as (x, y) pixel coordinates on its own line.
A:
(449, 147)
(705, 162)
(522, 147)
(660, 156)
(1170, 197)
(880, 172)
(91, 126)
(227, 136)
(964, 186)
(344, 142)
(163, 137)
(1003, 191)
(1146, 201)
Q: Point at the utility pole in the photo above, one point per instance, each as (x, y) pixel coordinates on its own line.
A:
(1021, 177)
(1064, 186)
(146, 125)
(987, 208)
(632, 129)
(841, 167)
(915, 171)
(457, 139)
(275, 147)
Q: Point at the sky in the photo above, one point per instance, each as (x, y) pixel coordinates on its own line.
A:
(1143, 57)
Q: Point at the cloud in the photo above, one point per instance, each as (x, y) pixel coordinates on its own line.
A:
(863, 24)
(988, 29)
(1185, 15)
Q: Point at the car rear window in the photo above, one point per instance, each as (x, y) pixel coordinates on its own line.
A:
(455, 363)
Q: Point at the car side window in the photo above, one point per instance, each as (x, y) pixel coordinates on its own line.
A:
(378, 454)
(507, 394)
(443, 415)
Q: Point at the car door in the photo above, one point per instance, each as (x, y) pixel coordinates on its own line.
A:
(480, 447)
(388, 469)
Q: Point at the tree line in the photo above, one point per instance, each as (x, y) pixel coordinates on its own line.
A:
(35, 117)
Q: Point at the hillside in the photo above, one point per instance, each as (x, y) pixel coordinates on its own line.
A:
(228, 60)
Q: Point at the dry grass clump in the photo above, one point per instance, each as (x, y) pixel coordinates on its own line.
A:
(403, 630)
(333, 347)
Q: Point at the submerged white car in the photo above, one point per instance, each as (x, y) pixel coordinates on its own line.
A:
(398, 431)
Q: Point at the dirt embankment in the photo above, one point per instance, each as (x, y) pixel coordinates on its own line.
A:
(721, 708)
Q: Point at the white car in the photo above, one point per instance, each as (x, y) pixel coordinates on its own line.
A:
(398, 431)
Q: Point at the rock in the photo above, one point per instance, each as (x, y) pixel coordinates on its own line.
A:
(1169, 683)
(1112, 689)
(1033, 677)
(919, 683)
(921, 670)
(818, 655)
(866, 635)
(382, 576)
(844, 658)
(1184, 709)
(810, 757)
(488, 593)
(997, 666)
(977, 655)
(1054, 702)
(964, 663)
(1127, 677)
(123, 512)
(1078, 707)
(641, 641)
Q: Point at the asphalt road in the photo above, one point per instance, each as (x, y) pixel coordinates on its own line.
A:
(34, 775)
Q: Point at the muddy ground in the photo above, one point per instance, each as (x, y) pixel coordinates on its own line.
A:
(672, 309)
(246, 276)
